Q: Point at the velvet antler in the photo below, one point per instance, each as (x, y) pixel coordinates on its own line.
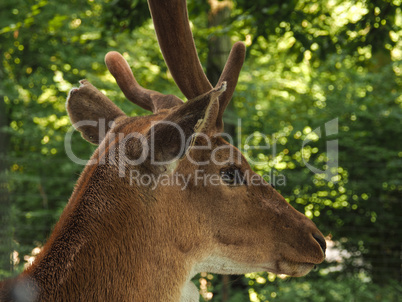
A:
(177, 45)
(230, 74)
(147, 99)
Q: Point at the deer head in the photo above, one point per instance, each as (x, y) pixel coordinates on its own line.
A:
(165, 196)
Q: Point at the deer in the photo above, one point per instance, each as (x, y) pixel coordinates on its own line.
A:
(120, 239)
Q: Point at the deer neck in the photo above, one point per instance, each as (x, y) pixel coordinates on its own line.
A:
(105, 247)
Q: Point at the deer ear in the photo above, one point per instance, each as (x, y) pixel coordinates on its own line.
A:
(170, 138)
(91, 112)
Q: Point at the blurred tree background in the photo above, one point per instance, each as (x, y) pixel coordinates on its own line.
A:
(309, 65)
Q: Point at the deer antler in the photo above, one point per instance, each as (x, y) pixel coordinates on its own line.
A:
(147, 99)
(177, 45)
(230, 74)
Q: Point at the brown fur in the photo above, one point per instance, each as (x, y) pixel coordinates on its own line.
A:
(118, 240)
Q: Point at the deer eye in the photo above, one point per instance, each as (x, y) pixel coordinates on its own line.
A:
(232, 176)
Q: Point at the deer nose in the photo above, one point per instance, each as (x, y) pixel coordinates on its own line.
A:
(321, 241)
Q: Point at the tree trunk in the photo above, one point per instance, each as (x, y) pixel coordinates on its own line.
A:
(5, 221)
(219, 49)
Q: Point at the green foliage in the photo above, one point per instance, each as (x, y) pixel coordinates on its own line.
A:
(285, 97)
(320, 290)
(262, 287)
(327, 26)
(121, 15)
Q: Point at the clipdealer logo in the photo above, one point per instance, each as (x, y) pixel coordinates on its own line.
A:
(332, 150)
